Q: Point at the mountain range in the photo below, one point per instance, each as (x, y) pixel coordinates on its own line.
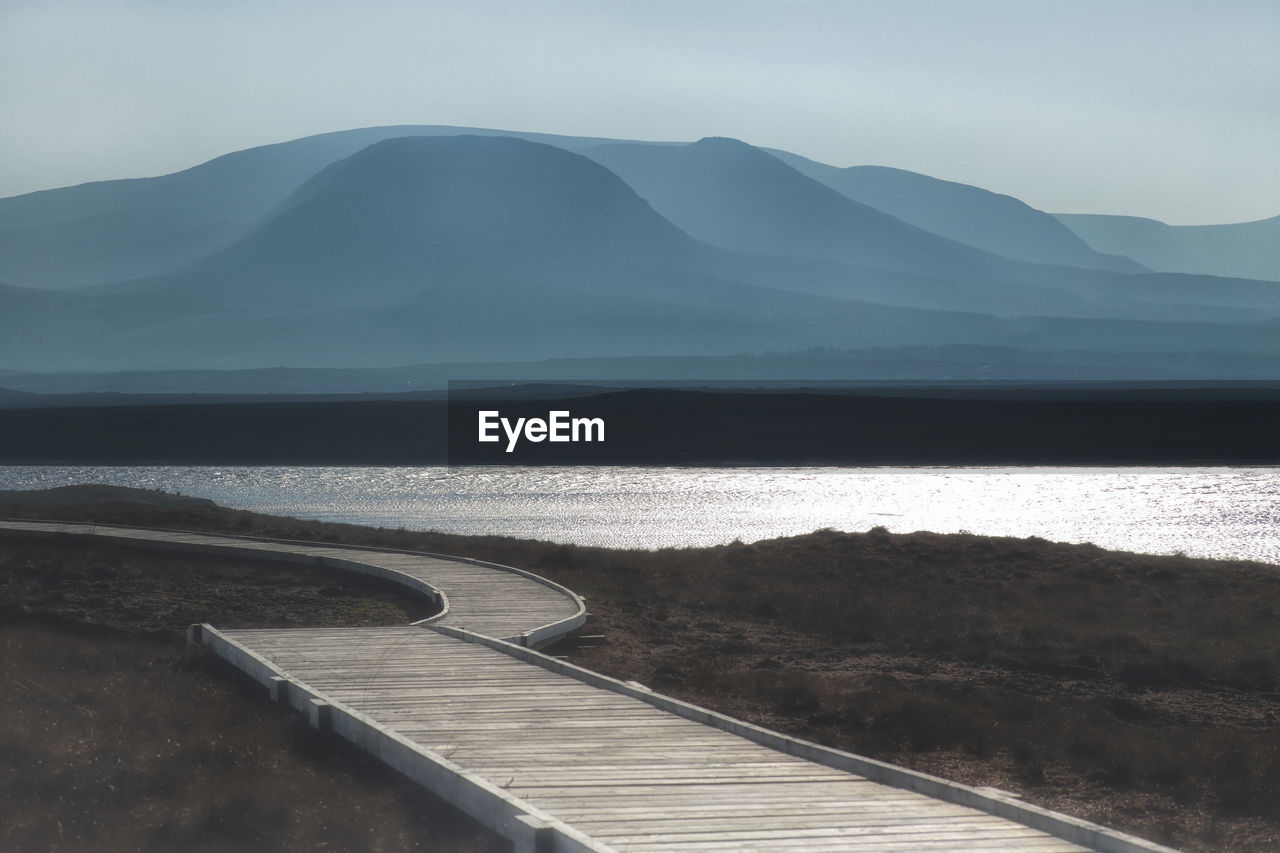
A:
(391, 246)
(1245, 249)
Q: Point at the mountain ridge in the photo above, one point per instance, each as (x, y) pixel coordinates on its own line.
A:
(68, 237)
(971, 215)
(734, 195)
(1242, 250)
(437, 247)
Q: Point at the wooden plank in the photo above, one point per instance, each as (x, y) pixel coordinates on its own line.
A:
(810, 845)
(572, 749)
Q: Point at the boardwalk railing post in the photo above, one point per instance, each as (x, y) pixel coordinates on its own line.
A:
(535, 836)
(320, 715)
(279, 688)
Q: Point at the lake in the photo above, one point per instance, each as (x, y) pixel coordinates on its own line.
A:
(1210, 512)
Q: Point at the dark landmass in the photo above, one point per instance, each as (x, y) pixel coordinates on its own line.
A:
(869, 425)
(1138, 691)
(231, 433)
(88, 493)
(894, 427)
(959, 365)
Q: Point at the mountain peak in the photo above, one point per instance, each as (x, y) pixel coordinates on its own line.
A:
(441, 202)
(723, 142)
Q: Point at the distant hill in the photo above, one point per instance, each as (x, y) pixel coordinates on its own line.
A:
(358, 250)
(899, 365)
(974, 216)
(1244, 250)
(113, 230)
(458, 248)
(416, 217)
(734, 195)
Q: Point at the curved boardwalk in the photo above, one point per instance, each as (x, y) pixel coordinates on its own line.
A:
(560, 759)
(493, 600)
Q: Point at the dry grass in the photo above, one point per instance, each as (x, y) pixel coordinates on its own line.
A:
(152, 590)
(1138, 691)
(115, 742)
(117, 736)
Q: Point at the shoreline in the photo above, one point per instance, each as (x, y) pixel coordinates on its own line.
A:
(1220, 511)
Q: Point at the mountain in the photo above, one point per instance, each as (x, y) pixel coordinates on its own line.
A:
(974, 216)
(418, 216)
(482, 248)
(1244, 250)
(116, 230)
(113, 230)
(445, 248)
(731, 194)
(736, 196)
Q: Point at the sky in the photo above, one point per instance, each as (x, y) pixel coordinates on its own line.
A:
(1158, 108)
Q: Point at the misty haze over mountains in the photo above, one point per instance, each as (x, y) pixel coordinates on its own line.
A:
(395, 246)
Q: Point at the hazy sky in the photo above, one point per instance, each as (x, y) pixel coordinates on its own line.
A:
(1155, 108)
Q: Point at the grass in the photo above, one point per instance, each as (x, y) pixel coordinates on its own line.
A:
(1135, 691)
(137, 590)
(1138, 691)
(115, 742)
(117, 736)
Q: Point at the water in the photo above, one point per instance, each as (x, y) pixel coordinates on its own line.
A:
(1210, 512)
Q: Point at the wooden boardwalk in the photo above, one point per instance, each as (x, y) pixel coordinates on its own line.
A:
(497, 601)
(627, 774)
(560, 759)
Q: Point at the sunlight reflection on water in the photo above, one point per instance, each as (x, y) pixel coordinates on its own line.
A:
(1213, 512)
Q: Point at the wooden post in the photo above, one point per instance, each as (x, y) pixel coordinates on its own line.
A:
(539, 838)
(279, 688)
(320, 715)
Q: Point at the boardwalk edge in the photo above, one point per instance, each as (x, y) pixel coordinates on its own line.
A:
(540, 636)
(529, 829)
(1074, 830)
